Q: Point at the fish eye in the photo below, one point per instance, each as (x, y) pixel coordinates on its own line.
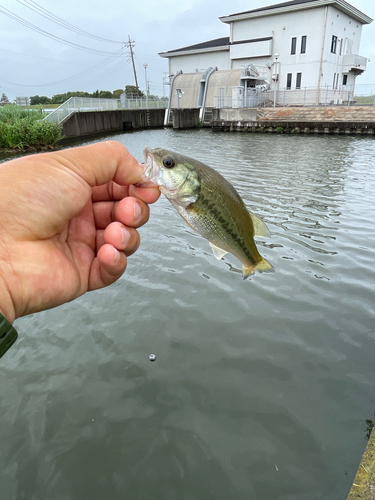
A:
(168, 162)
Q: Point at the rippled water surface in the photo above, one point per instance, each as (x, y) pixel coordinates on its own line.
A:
(260, 389)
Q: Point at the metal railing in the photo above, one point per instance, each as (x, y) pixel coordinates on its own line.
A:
(307, 96)
(143, 102)
(255, 99)
(80, 104)
(312, 96)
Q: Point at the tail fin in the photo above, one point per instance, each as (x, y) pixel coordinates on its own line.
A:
(263, 266)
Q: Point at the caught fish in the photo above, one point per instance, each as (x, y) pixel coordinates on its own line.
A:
(210, 205)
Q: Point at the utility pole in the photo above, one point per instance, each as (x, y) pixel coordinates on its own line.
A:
(130, 44)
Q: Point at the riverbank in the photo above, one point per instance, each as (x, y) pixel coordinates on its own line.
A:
(24, 130)
(363, 487)
(351, 120)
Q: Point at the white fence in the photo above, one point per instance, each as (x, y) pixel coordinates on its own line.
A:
(143, 102)
(323, 96)
(255, 99)
(78, 104)
(307, 96)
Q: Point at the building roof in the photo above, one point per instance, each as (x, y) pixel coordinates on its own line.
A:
(292, 5)
(209, 46)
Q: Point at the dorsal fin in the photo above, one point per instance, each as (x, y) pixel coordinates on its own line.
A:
(260, 229)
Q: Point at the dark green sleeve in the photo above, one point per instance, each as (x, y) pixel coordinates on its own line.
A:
(8, 335)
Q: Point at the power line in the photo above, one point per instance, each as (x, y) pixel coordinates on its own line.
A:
(27, 55)
(30, 4)
(20, 20)
(86, 72)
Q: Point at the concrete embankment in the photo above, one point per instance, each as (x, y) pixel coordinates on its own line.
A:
(309, 120)
(96, 122)
(363, 487)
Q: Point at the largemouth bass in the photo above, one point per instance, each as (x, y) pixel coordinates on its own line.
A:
(210, 205)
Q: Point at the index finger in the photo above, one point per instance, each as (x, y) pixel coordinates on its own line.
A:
(102, 162)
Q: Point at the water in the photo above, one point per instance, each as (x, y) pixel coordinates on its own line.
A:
(260, 388)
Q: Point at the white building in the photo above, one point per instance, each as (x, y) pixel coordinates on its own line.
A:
(300, 44)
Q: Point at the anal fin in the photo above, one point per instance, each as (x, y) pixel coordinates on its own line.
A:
(218, 252)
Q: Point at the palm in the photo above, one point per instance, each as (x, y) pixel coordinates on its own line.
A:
(65, 237)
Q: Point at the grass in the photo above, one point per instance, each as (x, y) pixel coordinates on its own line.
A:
(43, 106)
(364, 99)
(23, 129)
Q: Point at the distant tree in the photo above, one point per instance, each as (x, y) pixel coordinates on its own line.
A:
(59, 98)
(45, 100)
(116, 93)
(4, 98)
(105, 94)
(131, 90)
(77, 94)
(35, 99)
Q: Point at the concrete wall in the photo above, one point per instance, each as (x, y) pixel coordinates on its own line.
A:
(185, 118)
(239, 114)
(95, 122)
(191, 63)
(310, 120)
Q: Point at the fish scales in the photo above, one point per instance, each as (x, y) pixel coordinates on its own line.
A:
(220, 218)
(210, 206)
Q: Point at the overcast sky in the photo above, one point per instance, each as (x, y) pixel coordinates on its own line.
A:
(32, 63)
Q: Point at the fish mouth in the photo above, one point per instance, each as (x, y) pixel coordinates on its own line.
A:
(151, 169)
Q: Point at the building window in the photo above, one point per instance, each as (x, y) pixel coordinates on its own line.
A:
(344, 79)
(334, 44)
(303, 44)
(298, 80)
(335, 80)
(294, 45)
(289, 81)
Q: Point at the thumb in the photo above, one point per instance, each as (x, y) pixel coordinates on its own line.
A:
(102, 162)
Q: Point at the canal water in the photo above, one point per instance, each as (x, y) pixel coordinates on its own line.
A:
(260, 389)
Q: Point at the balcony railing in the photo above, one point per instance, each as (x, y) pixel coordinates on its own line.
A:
(354, 61)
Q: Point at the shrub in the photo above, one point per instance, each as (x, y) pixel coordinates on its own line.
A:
(21, 128)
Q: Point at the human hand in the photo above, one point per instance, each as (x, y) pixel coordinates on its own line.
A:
(68, 223)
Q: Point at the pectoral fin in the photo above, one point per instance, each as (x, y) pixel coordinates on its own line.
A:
(260, 229)
(218, 252)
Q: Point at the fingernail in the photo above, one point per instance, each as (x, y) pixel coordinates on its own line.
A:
(117, 256)
(137, 212)
(125, 236)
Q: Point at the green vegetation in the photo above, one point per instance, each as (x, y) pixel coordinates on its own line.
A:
(60, 98)
(4, 99)
(22, 129)
(132, 91)
(279, 130)
(364, 99)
